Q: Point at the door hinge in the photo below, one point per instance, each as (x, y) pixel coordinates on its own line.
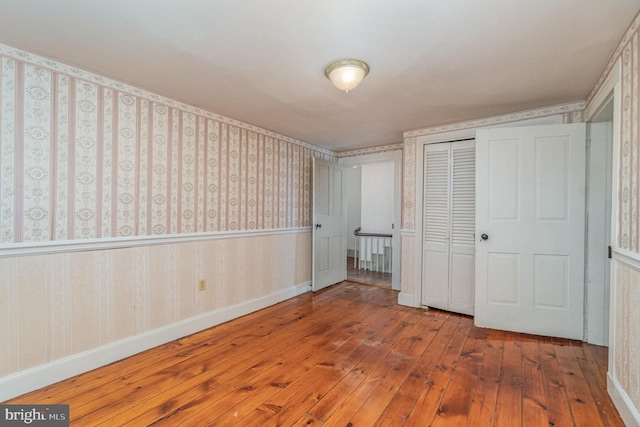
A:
(609, 252)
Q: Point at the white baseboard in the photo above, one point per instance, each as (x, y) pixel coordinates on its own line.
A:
(40, 376)
(406, 300)
(629, 413)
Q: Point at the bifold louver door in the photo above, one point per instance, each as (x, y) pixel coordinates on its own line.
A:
(449, 227)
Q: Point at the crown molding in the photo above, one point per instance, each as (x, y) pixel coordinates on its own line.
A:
(370, 150)
(505, 118)
(78, 73)
(633, 27)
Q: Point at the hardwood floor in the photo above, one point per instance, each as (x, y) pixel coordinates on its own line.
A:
(346, 356)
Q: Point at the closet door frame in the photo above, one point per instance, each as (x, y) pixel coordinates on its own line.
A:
(436, 138)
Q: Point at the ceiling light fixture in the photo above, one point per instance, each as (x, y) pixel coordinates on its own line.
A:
(346, 74)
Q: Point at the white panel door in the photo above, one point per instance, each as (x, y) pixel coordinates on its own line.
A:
(449, 226)
(329, 224)
(530, 188)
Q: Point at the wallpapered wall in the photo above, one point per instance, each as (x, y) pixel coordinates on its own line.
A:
(54, 306)
(624, 348)
(628, 237)
(85, 157)
(82, 158)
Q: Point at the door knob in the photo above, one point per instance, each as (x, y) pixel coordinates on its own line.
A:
(484, 237)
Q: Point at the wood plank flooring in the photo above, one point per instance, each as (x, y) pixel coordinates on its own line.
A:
(346, 356)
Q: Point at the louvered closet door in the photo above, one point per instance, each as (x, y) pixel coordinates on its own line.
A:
(435, 263)
(449, 226)
(463, 224)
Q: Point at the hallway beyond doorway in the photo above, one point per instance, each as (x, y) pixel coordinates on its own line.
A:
(367, 277)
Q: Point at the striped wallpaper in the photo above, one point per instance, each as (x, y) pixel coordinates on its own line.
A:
(624, 342)
(84, 157)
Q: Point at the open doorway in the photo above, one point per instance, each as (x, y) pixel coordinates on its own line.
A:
(373, 212)
(598, 234)
(370, 223)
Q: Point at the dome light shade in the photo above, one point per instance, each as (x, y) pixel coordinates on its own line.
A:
(346, 74)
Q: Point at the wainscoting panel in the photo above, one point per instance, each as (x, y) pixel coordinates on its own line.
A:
(624, 363)
(61, 305)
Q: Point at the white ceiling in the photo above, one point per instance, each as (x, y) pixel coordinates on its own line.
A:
(432, 61)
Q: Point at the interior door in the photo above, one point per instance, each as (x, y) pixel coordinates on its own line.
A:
(530, 217)
(329, 224)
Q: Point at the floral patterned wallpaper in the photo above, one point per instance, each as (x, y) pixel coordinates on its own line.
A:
(628, 236)
(624, 343)
(628, 52)
(82, 156)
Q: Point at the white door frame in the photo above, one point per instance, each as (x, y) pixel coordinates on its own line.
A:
(610, 92)
(598, 235)
(457, 135)
(396, 157)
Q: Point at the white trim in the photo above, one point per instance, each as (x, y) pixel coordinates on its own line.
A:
(370, 158)
(407, 300)
(34, 378)
(597, 235)
(631, 259)
(49, 247)
(609, 88)
(622, 402)
(506, 119)
(372, 150)
(605, 92)
(470, 132)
